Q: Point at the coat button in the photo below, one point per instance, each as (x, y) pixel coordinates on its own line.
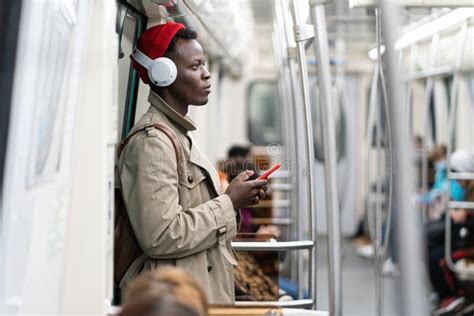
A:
(209, 268)
(190, 179)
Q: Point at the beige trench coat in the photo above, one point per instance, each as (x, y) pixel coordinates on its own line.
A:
(178, 219)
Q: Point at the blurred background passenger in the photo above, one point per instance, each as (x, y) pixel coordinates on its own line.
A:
(168, 291)
(238, 160)
(445, 284)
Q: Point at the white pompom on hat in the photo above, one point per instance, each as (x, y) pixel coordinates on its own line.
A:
(462, 161)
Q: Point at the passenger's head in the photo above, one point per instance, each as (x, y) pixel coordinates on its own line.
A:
(438, 153)
(236, 152)
(234, 167)
(179, 44)
(239, 160)
(462, 161)
(418, 141)
(152, 305)
(167, 291)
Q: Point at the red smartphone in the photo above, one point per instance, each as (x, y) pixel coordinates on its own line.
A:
(269, 171)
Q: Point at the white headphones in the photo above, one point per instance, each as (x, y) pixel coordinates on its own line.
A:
(161, 71)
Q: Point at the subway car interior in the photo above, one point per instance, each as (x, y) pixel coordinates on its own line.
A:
(366, 105)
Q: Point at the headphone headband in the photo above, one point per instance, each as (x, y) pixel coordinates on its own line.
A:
(161, 71)
(141, 58)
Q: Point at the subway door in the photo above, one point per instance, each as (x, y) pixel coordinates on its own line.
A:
(88, 270)
(55, 215)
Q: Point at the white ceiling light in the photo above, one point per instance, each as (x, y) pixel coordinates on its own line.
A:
(373, 54)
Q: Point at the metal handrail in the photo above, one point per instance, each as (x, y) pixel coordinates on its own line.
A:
(379, 237)
(284, 92)
(428, 93)
(272, 221)
(454, 106)
(430, 73)
(461, 205)
(303, 303)
(321, 50)
(461, 175)
(369, 137)
(295, 93)
(309, 144)
(409, 234)
(272, 245)
(281, 186)
(272, 203)
(194, 9)
(409, 89)
(284, 174)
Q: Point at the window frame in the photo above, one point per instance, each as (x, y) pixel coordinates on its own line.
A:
(133, 77)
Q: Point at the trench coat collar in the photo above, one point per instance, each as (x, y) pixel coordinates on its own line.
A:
(183, 122)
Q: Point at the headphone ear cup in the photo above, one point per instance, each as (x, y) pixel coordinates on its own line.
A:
(162, 72)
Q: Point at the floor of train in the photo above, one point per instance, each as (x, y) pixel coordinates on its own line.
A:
(358, 284)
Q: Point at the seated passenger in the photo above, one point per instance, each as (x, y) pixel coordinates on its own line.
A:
(168, 291)
(462, 228)
(170, 188)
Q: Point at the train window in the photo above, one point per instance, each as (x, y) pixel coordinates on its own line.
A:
(470, 86)
(448, 83)
(339, 117)
(264, 114)
(381, 120)
(433, 119)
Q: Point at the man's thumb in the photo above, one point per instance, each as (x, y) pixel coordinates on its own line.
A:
(244, 175)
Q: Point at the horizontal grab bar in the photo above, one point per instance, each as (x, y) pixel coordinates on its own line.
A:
(461, 205)
(281, 186)
(272, 221)
(304, 303)
(272, 245)
(461, 175)
(440, 71)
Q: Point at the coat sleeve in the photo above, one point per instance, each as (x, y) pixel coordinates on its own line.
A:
(163, 228)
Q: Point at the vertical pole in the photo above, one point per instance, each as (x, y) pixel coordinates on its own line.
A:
(378, 212)
(329, 139)
(409, 230)
(428, 128)
(454, 102)
(409, 91)
(309, 150)
(368, 163)
(288, 104)
(300, 188)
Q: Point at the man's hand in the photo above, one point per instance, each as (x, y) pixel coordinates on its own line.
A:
(244, 193)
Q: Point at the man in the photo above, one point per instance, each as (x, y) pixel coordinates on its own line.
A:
(176, 211)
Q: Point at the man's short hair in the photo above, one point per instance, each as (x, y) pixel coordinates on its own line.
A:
(183, 34)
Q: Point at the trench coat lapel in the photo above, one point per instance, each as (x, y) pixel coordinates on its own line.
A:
(197, 158)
